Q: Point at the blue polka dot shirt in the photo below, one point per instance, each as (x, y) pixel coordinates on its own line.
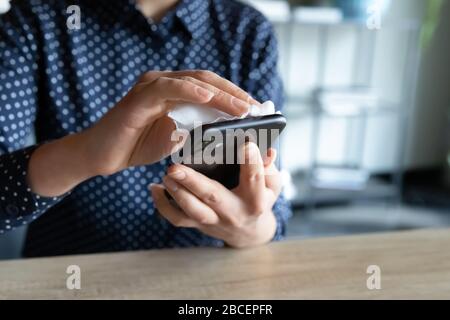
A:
(56, 80)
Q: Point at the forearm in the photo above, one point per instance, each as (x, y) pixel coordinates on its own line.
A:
(57, 167)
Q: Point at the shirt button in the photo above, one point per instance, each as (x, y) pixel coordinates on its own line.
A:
(12, 210)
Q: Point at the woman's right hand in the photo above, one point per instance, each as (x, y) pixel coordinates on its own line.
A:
(137, 131)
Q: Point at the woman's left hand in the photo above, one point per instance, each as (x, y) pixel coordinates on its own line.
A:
(241, 217)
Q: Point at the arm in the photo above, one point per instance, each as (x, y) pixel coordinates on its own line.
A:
(18, 102)
(134, 132)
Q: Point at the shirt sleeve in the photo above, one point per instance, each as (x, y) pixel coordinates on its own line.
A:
(18, 108)
(263, 82)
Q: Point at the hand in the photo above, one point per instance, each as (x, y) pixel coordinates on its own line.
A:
(137, 131)
(242, 217)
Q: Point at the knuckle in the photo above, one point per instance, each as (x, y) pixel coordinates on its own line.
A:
(148, 76)
(221, 95)
(236, 222)
(209, 221)
(211, 198)
(255, 177)
(257, 209)
(183, 203)
(161, 81)
(187, 78)
(206, 75)
(178, 222)
(236, 91)
(185, 86)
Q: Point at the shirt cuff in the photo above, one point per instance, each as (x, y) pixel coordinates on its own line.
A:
(282, 211)
(19, 205)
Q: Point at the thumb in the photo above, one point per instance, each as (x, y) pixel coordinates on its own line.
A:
(272, 174)
(168, 137)
(252, 171)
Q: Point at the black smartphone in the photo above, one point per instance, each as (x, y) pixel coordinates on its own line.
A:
(213, 149)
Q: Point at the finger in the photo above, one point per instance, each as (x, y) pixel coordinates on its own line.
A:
(218, 82)
(210, 192)
(251, 177)
(273, 179)
(190, 204)
(168, 211)
(166, 135)
(204, 76)
(272, 174)
(172, 89)
(222, 100)
(270, 157)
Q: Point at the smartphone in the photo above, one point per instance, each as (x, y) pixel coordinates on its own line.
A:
(213, 149)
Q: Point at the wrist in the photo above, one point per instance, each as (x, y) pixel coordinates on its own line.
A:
(266, 227)
(83, 147)
(81, 156)
(260, 232)
(58, 166)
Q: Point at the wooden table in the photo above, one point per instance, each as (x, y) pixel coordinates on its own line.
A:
(413, 265)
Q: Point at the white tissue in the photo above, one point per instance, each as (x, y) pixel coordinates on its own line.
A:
(189, 116)
(5, 5)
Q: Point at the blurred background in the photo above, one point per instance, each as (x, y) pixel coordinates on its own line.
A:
(367, 147)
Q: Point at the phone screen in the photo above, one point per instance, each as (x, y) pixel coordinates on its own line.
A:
(213, 149)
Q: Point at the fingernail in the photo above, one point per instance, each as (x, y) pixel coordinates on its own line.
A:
(251, 146)
(169, 183)
(252, 153)
(253, 101)
(149, 187)
(238, 103)
(177, 175)
(204, 93)
(273, 154)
